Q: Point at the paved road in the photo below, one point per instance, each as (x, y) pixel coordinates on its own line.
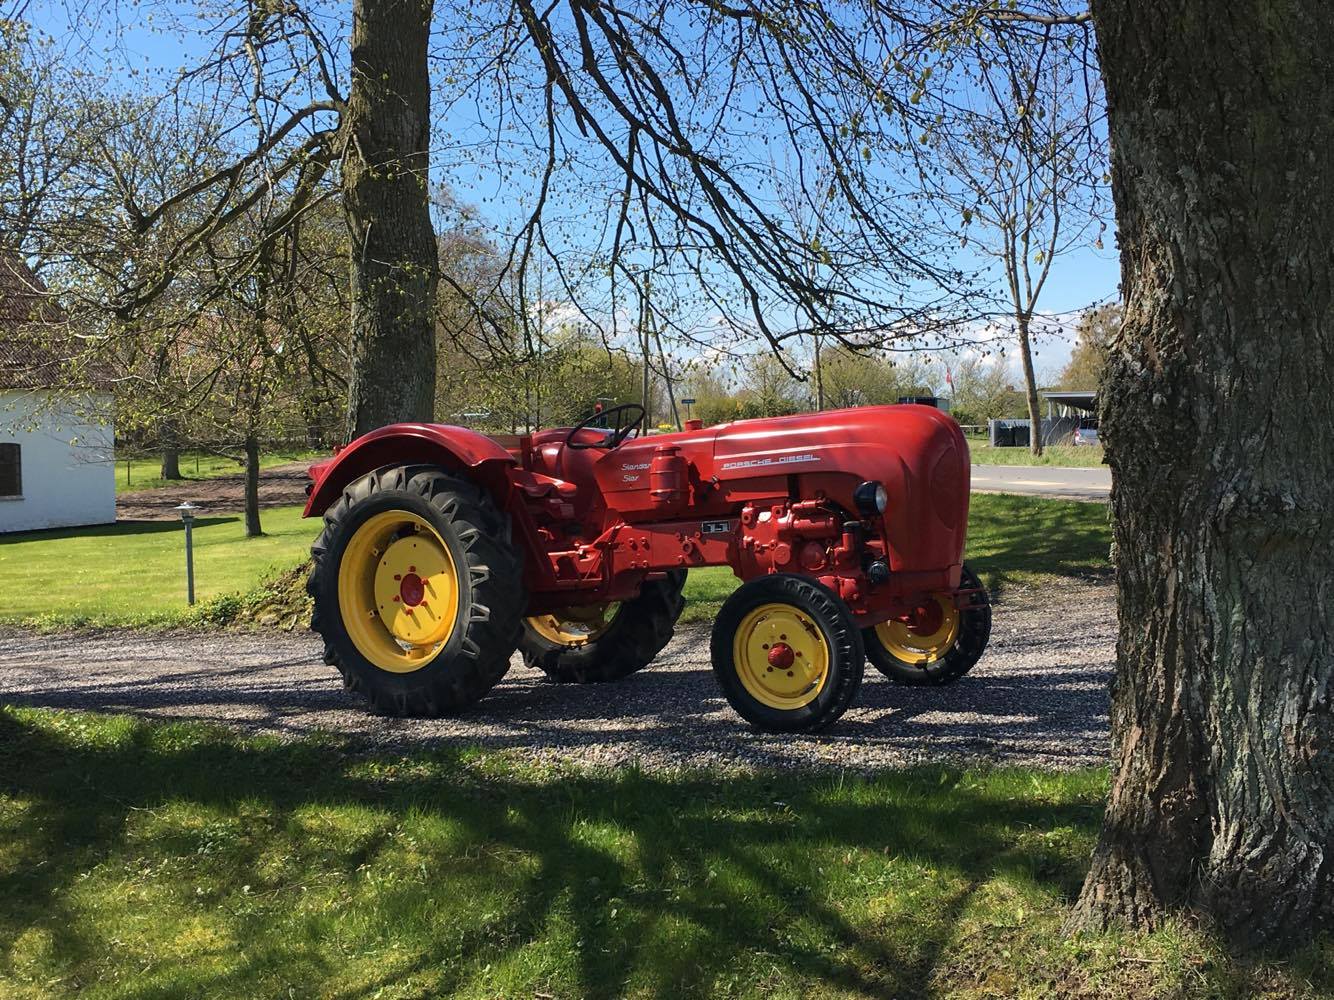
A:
(1038, 696)
(1045, 481)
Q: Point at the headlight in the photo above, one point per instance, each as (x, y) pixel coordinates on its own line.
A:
(871, 498)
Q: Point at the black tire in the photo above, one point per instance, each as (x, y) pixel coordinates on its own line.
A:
(841, 638)
(490, 602)
(640, 629)
(974, 634)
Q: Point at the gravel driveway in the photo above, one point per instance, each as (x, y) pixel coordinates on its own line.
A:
(1038, 697)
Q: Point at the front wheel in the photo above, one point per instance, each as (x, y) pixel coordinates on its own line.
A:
(942, 647)
(417, 590)
(787, 654)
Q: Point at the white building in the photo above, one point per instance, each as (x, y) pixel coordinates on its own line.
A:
(56, 468)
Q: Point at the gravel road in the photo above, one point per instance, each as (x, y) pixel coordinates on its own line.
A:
(1038, 697)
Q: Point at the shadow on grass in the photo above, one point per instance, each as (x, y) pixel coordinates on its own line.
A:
(455, 871)
(120, 529)
(1012, 540)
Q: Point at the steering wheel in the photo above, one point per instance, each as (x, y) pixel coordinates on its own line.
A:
(625, 426)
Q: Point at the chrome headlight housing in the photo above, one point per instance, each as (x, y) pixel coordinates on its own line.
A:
(871, 498)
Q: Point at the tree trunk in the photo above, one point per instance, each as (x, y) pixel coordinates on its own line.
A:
(171, 450)
(395, 265)
(252, 525)
(667, 378)
(645, 389)
(1030, 388)
(1217, 397)
(819, 377)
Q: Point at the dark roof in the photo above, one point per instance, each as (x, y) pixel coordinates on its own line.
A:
(31, 354)
(1079, 399)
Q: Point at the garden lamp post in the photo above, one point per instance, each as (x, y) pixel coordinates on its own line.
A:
(187, 512)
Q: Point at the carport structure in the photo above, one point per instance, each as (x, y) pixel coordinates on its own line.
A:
(1067, 411)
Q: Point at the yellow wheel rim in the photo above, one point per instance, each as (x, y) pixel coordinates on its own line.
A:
(398, 591)
(781, 656)
(575, 626)
(910, 645)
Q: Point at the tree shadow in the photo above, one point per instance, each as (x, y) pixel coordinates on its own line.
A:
(121, 529)
(1012, 539)
(670, 880)
(1051, 710)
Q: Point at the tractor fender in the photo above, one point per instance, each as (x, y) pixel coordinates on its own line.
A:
(452, 448)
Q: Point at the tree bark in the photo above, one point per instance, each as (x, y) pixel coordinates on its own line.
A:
(1030, 388)
(819, 378)
(1216, 400)
(395, 265)
(667, 378)
(169, 440)
(252, 525)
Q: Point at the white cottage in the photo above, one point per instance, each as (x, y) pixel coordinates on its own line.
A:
(56, 468)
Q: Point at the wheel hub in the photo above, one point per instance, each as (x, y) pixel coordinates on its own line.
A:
(398, 591)
(575, 626)
(412, 590)
(413, 582)
(928, 634)
(781, 656)
(927, 619)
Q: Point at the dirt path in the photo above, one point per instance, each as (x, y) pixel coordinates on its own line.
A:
(280, 486)
(1038, 697)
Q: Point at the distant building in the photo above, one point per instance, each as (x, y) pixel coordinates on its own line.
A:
(1072, 418)
(56, 468)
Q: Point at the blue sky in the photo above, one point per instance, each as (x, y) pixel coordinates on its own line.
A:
(137, 44)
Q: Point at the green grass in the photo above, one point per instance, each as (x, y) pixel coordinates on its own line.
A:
(127, 574)
(137, 474)
(146, 860)
(134, 574)
(1057, 454)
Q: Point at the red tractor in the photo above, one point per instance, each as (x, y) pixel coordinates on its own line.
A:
(444, 550)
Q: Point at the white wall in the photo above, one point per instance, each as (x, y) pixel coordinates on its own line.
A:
(68, 475)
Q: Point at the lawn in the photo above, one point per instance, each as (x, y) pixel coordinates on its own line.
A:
(1056, 454)
(134, 574)
(136, 474)
(147, 860)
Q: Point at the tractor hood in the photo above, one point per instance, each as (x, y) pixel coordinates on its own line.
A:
(917, 452)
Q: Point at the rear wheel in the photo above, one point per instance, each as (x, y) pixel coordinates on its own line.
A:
(941, 647)
(417, 591)
(787, 654)
(590, 644)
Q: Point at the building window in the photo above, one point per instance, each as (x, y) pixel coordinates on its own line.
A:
(11, 471)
